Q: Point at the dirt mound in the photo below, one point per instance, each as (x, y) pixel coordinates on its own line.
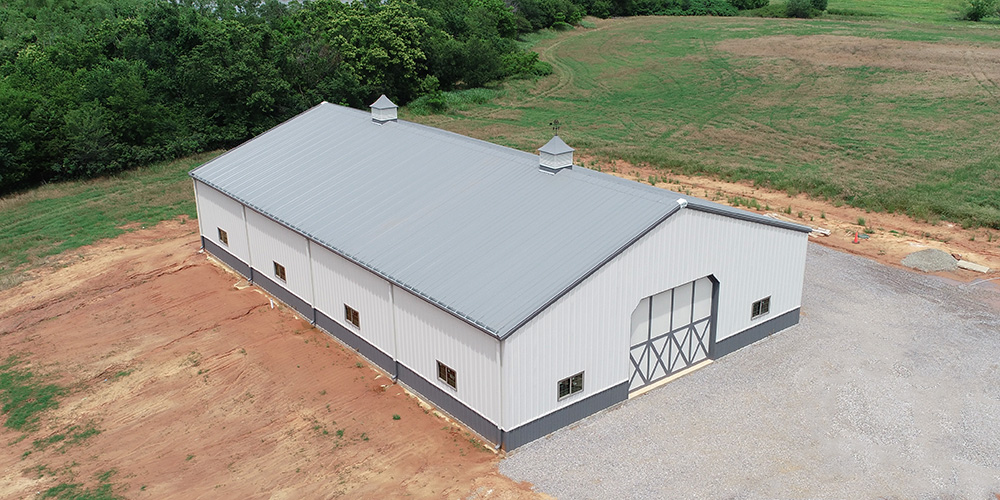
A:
(853, 52)
(202, 390)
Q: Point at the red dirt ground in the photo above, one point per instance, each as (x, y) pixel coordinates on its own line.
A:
(202, 390)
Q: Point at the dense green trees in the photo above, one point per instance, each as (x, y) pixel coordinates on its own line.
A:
(89, 87)
(92, 87)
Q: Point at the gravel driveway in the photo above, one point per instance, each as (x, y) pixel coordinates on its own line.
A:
(889, 387)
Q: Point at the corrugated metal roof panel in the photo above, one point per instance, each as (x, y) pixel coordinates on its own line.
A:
(471, 226)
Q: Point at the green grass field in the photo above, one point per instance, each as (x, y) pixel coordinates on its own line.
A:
(58, 217)
(883, 114)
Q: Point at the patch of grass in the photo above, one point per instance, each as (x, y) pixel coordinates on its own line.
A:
(24, 395)
(57, 217)
(456, 100)
(76, 491)
(396, 417)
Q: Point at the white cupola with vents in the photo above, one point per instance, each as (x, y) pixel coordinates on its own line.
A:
(555, 155)
(383, 110)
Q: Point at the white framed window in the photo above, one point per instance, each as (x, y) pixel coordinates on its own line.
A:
(223, 236)
(279, 272)
(351, 316)
(570, 386)
(760, 308)
(447, 375)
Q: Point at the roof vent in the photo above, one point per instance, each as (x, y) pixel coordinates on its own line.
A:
(383, 110)
(555, 155)
(682, 202)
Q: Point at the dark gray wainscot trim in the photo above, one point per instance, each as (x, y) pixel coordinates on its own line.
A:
(564, 416)
(755, 333)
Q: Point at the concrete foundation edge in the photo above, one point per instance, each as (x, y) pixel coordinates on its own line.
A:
(565, 416)
(755, 333)
(227, 258)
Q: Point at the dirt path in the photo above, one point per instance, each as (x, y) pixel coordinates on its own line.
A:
(201, 390)
(890, 237)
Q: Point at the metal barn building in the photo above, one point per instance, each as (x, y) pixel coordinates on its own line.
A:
(517, 292)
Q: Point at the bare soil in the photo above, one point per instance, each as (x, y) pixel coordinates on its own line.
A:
(854, 52)
(202, 389)
(890, 237)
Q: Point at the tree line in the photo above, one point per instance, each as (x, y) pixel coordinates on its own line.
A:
(94, 87)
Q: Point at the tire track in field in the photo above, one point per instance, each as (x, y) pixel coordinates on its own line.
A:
(977, 72)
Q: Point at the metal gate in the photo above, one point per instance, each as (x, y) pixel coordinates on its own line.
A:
(671, 330)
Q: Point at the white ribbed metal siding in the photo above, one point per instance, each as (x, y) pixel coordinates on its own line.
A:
(588, 329)
(426, 334)
(216, 210)
(271, 242)
(339, 282)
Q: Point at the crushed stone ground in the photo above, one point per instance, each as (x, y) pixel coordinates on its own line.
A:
(886, 389)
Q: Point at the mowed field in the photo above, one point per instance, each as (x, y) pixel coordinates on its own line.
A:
(880, 113)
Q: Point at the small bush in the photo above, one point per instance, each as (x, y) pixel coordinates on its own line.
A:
(978, 9)
(819, 5)
(801, 9)
(749, 4)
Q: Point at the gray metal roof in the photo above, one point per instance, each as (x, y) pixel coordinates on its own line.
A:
(468, 225)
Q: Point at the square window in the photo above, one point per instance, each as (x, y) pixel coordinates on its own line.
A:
(223, 237)
(351, 316)
(279, 271)
(447, 375)
(760, 308)
(570, 386)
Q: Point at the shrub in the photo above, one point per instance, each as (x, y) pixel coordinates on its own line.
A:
(819, 5)
(771, 10)
(978, 9)
(799, 8)
(749, 4)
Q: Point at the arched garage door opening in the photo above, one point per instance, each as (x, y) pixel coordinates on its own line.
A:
(671, 331)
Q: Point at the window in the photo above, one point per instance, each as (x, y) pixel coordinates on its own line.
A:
(760, 308)
(279, 271)
(447, 375)
(351, 316)
(223, 237)
(570, 386)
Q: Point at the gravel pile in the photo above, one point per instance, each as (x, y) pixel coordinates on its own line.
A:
(931, 260)
(888, 388)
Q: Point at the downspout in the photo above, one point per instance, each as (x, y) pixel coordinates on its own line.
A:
(312, 281)
(197, 212)
(395, 334)
(500, 344)
(246, 234)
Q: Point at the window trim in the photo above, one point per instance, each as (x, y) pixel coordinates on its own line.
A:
(352, 316)
(569, 384)
(760, 308)
(279, 272)
(223, 236)
(441, 367)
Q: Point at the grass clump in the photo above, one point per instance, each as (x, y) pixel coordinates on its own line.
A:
(456, 100)
(76, 491)
(24, 395)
